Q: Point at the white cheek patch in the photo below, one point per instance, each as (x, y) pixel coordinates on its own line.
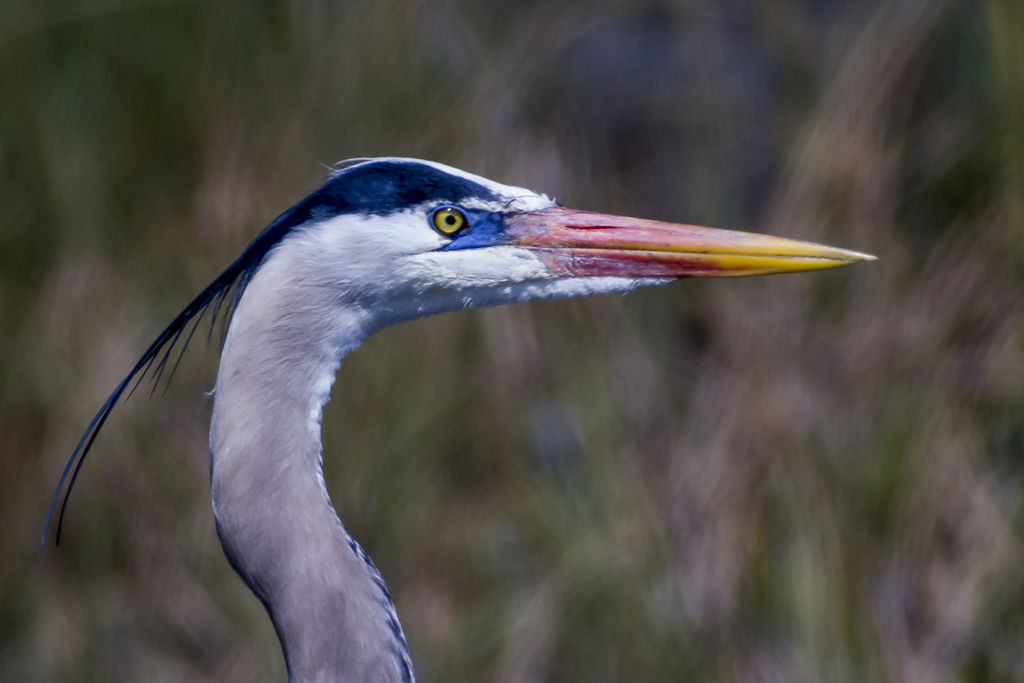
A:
(487, 266)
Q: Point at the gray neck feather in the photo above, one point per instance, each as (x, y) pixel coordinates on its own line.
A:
(332, 612)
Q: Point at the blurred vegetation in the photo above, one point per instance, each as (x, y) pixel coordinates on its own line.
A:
(805, 478)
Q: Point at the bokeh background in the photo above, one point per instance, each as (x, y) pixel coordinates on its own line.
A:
(805, 478)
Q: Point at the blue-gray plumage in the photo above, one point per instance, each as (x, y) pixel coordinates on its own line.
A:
(383, 241)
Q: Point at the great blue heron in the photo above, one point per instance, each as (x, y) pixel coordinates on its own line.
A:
(381, 242)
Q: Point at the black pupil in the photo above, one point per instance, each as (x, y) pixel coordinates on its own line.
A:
(449, 219)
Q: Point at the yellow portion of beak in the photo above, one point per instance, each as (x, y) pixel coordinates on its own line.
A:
(753, 254)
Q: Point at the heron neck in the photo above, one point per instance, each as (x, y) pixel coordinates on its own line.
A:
(330, 608)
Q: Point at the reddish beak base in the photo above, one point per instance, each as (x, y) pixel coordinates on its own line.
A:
(582, 244)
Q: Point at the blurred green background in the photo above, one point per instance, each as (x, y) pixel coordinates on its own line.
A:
(805, 478)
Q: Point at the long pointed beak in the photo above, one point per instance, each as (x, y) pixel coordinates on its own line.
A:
(583, 243)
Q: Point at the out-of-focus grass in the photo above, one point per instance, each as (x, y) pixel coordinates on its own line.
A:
(807, 478)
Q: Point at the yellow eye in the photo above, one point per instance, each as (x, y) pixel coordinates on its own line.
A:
(449, 220)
